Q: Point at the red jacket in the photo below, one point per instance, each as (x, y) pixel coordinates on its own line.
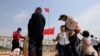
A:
(17, 35)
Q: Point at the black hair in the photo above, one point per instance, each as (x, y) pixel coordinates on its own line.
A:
(39, 8)
(17, 47)
(92, 36)
(95, 37)
(85, 34)
(19, 29)
(62, 26)
(63, 16)
(21, 48)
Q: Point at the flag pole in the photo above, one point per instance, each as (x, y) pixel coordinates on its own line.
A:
(48, 27)
(47, 10)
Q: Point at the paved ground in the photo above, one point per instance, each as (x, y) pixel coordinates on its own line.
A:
(6, 53)
(44, 54)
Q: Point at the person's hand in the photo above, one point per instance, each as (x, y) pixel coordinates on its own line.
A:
(53, 40)
(25, 37)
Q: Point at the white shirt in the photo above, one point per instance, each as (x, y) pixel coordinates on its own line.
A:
(94, 41)
(63, 39)
(99, 40)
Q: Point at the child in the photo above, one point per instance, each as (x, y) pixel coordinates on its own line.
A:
(63, 42)
(88, 48)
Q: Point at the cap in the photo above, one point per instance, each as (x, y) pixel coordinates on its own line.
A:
(62, 17)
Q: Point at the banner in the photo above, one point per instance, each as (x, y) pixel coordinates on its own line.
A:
(48, 31)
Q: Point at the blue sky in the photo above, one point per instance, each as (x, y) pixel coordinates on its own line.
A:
(16, 13)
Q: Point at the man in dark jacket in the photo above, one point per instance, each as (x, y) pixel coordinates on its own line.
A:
(35, 33)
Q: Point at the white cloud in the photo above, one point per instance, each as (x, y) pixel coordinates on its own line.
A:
(90, 14)
(19, 17)
(5, 32)
(24, 31)
(88, 20)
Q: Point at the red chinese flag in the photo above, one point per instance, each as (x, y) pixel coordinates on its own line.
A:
(48, 31)
(46, 10)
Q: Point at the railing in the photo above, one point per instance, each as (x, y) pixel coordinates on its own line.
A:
(5, 41)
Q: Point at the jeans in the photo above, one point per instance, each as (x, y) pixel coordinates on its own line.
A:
(73, 41)
(35, 47)
(63, 50)
(73, 49)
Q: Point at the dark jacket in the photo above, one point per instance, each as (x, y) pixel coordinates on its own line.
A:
(73, 38)
(36, 25)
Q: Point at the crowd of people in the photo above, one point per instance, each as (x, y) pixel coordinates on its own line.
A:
(67, 39)
(67, 43)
